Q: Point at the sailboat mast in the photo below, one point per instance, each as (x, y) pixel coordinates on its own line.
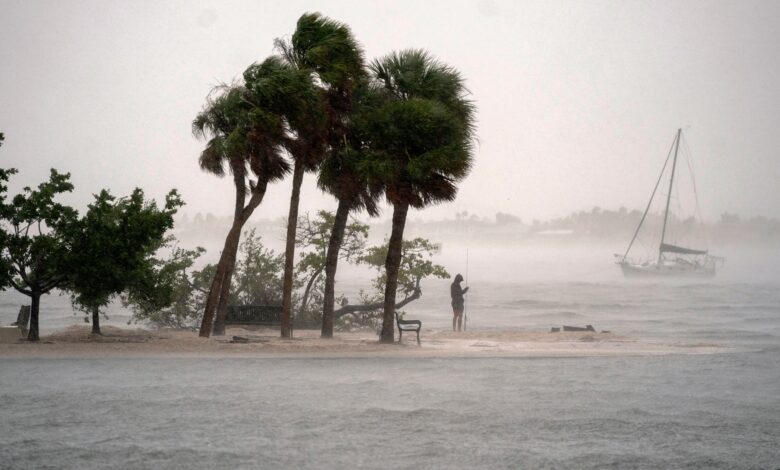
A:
(647, 209)
(669, 196)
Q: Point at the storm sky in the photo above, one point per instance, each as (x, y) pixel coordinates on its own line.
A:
(578, 101)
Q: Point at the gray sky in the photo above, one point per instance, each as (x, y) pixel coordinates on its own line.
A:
(578, 101)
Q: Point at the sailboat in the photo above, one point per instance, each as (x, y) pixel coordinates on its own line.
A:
(673, 260)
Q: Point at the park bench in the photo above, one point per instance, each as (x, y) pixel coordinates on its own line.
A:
(18, 329)
(407, 325)
(23, 319)
(260, 315)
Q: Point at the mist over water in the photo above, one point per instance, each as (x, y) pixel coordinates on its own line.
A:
(525, 285)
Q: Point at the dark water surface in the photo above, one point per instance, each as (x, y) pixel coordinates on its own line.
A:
(715, 411)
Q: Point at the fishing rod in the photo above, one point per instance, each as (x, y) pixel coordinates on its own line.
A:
(465, 315)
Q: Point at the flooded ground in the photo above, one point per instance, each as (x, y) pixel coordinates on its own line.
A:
(715, 411)
(673, 411)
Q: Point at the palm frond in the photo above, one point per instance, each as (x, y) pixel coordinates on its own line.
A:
(329, 48)
(212, 158)
(424, 131)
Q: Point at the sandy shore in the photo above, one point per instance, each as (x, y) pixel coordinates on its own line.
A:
(77, 342)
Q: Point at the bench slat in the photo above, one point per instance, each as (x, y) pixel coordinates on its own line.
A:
(270, 315)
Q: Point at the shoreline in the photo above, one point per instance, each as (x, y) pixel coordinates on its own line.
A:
(78, 343)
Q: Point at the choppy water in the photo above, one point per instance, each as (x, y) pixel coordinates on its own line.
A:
(668, 412)
(714, 411)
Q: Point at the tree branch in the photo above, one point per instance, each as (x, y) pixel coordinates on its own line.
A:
(305, 299)
(20, 289)
(19, 268)
(194, 286)
(46, 287)
(347, 309)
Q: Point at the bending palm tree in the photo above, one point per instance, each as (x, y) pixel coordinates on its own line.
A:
(328, 54)
(422, 143)
(220, 119)
(281, 84)
(342, 175)
(330, 51)
(239, 135)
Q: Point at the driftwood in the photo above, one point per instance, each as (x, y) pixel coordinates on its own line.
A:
(579, 328)
(347, 309)
(244, 339)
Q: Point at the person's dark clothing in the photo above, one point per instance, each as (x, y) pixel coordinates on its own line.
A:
(456, 292)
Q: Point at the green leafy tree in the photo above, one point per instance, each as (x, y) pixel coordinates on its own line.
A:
(416, 265)
(259, 273)
(36, 234)
(113, 251)
(176, 298)
(314, 237)
(179, 298)
(422, 144)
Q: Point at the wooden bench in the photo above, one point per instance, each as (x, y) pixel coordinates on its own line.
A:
(18, 329)
(260, 315)
(407, 325)
(23, 319)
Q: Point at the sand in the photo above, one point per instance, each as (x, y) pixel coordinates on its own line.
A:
(78, 342)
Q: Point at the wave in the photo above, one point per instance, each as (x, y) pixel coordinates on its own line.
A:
(725, 333)
(554, 315)
(556, 304)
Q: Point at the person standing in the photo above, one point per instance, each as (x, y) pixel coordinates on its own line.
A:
(458, 303)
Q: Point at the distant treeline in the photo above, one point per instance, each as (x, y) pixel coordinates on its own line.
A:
(596, 224)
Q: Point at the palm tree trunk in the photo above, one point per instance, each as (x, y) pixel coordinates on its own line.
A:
(231, 244)
(213, 298)
(392, 264)
(224, 293)
(96, 321)
(289, 252)
(331, 263)
(239, 181)
(35, 306)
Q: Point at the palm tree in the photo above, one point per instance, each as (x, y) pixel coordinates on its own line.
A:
(331, 52)
(288, 88)
(325, 51)
(422, 144)
(342, 175)
(242, 136)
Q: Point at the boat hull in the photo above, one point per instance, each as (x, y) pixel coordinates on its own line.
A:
(652, 270)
